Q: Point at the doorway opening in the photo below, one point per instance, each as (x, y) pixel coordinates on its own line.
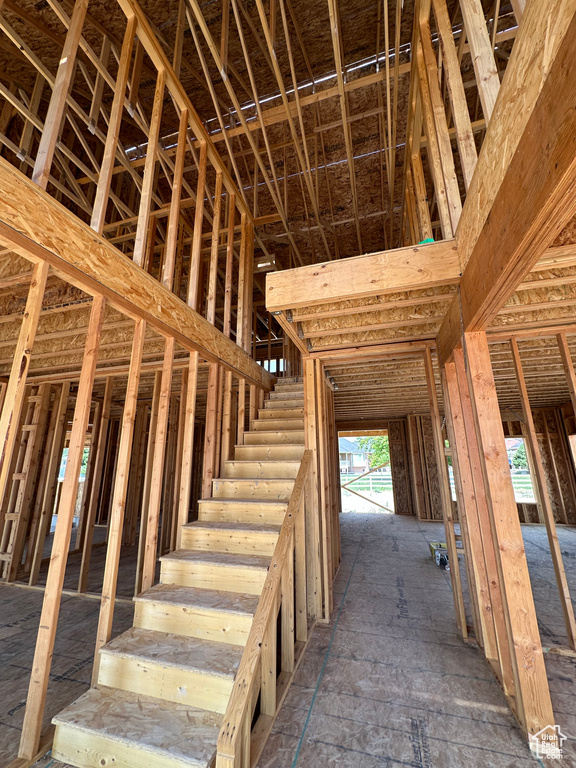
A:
(366, 481)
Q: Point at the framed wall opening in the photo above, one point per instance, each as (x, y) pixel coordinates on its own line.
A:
(366, 483)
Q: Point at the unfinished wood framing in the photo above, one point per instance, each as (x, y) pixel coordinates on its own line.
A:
(227, 233)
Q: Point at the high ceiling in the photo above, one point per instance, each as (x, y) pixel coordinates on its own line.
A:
(329, 171)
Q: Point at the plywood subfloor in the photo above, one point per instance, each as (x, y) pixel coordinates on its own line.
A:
(74, 651)
(388, 682)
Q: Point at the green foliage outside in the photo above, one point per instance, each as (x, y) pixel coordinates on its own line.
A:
(83, 467)
(519, 460)
(377, 448)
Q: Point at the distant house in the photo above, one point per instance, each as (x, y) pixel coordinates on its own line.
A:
(353, 460)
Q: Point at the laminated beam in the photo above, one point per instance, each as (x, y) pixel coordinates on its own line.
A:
(38, 228)
(529, 146)
(422, 266)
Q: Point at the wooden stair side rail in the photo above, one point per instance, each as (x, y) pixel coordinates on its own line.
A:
(233, 749)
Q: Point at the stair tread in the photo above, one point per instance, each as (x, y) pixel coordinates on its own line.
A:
(271, 431)
(206, 599)
(253, 479)
(221, 525)
(271, 416)
(237, 500)
(279, 462)
(153, 725)
(203, 656)
(223, 559)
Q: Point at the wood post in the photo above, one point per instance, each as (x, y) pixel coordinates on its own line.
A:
(32, 725)
(95, 489)
(143, 240)
(107, 166)
(324, 489)
(174, 215)
(48, 491)
(178, 457)
(209, 467)
(104, 631)
(483, 545)
(313, 562)
(482, 55)
(157, 473)
(533, 706)
(57, 105)
(188, 446)
(195, 255)
(446, 496)
(148, 479)
(287, 611)
(16, 388)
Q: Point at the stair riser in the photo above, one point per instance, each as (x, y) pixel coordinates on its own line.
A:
(288, 386)
(264, 438)
(208, 576)
(281, 413)
(241, 513)
(239, 488)
(90, 750)
(217, 626)
(269, 452)
(287, 395)
(284, 404)
(260, 469)
(219, 541)
(178, 684)
(281, 424)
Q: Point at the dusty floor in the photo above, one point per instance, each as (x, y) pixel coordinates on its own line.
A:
(387, 683)
(74, 651)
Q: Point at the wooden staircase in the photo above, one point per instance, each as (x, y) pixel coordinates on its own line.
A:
(163, 686)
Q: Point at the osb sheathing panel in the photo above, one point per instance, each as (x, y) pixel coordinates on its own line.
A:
(400, 470)
(553, 494)
(421, 330)
(414, 296)
(561, 454)
(421, 313)
(431, 468)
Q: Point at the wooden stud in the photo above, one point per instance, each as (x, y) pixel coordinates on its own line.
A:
(152, 510)
(188, 447)
(48, 490)
(195, 256)
(104, 631)
(147, 486)
(313, 564)
(142, 239)
(100, 451)
(482, 55)
(16, 388)
(540, 476)
(107, 166)
(468, 514)
(174, 214)
(209, 465)
(446, 495)
(54, 581)
(53, 122)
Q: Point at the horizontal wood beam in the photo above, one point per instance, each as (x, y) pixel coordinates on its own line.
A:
(38, 228)
(524, 188)
(418, 266)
